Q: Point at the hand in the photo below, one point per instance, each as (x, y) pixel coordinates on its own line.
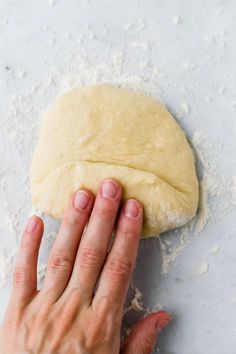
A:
(79, 309)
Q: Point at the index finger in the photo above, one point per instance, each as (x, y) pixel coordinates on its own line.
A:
(118, 268)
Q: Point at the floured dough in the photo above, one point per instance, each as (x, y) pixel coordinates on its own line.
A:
(96, 132)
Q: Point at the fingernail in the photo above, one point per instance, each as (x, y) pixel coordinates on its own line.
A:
(132, 208)
(109, 189)
(81, 200)
(162, 323)
(32, 224)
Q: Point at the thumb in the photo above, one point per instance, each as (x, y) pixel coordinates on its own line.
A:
(145, 333)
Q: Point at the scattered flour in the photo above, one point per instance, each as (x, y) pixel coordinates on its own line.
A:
(6, 222)
(202, 268)
(146, 46)
(41, 274)
(185, 108)
(170, 253)
(52, 3)
(190, 67)
(213, 189)
(233, 188)
(154, 78)
(128, 26)
(177, 20)
(141, 25)
(83, 71)
(204, 210)
(7, 260)
(136, 303)
(216, 248)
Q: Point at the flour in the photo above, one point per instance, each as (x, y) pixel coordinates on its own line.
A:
(213, 187)
(114, 74)
(146, 46)
(82, 72)
(46, 50)
(177, 20)
(141, 25)
(171, 251)
(7, 260)
(6, 222)
(136, 302)
(204, 210)
(202, 268)
(128, 26)
(233, 189)
(85, 68)
(216, 248)
(52, 3)
(184, 108)
(41, 274)
(190, 67)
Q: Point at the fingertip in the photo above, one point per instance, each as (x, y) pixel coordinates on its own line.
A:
(156, 321)
(110, 189)
(163, 319)
(39, 220)
(145, 333)
(161, 313)
(34, 223)
(81, 200)
(112, 180)
(132, 209)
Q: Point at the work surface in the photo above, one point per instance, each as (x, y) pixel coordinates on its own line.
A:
(180, 51)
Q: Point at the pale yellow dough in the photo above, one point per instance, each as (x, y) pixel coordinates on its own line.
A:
(101, 131)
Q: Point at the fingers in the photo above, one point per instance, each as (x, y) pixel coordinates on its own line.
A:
(25, 274)
(63, 253)
(120, 262)
(144, 335)
(95, 242)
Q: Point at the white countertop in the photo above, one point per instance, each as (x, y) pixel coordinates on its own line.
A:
(181, 51)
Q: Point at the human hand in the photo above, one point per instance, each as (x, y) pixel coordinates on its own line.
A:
(67, 315)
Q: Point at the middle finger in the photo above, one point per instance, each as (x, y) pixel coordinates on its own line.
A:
(95, 242)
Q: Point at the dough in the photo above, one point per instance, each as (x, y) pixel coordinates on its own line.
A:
(103, 131)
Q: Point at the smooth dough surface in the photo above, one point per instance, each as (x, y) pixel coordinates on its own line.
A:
(101, 131)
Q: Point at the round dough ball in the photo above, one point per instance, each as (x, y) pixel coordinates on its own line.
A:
(102, 131)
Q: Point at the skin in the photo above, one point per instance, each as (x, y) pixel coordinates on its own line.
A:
(67, 315)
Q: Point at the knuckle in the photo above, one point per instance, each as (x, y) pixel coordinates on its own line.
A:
(90, 257)
(119, 267)
(38, 319)
(21, 276)
(106, 213)
(60, 261)
(67, 318)
(71, 219)
(99, 335)
(107, 311)
(11, 321)
(74, 296)
(146, 346)
(126, 232)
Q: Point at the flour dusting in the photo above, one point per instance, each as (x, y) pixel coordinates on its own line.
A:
(233, 188)
(202, 268)
(133, 64)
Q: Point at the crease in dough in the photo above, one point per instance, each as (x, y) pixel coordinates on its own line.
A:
(114, 164)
